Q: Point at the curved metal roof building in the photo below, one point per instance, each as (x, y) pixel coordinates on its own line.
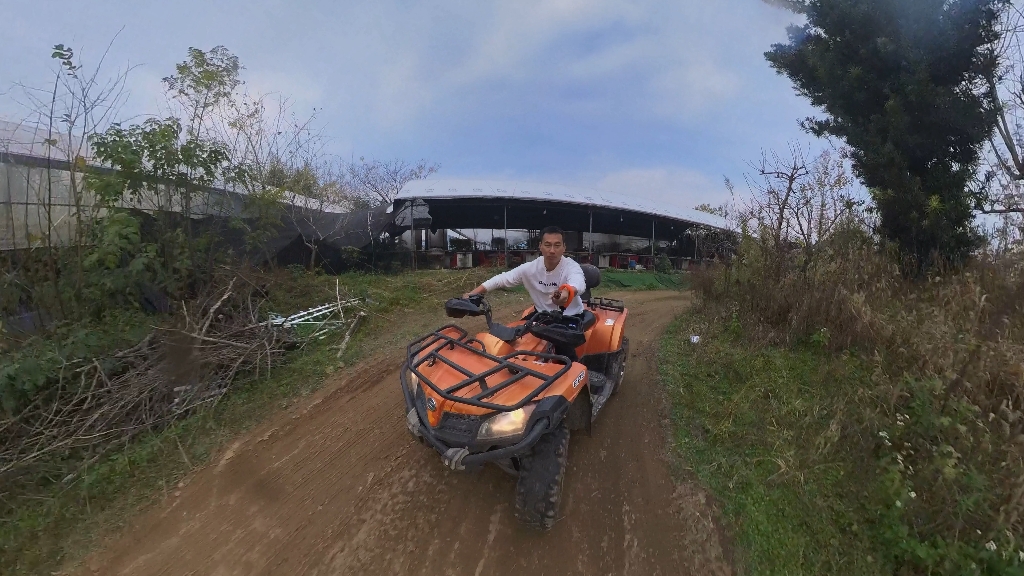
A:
(511, 204)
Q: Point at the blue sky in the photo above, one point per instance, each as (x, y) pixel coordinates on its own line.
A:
(655, 98)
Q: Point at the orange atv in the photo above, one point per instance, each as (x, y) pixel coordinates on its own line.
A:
(511, 395)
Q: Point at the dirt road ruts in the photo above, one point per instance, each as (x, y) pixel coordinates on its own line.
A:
(336, 485)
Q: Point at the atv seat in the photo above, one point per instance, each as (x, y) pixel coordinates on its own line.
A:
(592, 277)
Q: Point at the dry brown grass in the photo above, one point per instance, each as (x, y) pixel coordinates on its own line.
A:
(944, 417)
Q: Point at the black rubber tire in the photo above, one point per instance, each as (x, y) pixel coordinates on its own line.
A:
(539, 489)
(619, 366)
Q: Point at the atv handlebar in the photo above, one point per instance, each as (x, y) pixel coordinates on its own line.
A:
(474, 305)
(552, 326)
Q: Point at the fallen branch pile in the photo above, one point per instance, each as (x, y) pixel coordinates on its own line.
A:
(99, 404)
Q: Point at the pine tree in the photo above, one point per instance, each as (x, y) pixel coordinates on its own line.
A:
(902, 82)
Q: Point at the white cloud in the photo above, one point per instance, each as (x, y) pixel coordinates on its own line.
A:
(680, 187)
(555, 88)
(146, 93)
(521, 33)
(688, 90)
(439, 58)
(300, 90)
(673, 58)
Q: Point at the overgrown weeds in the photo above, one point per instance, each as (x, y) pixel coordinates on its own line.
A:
(941, 416)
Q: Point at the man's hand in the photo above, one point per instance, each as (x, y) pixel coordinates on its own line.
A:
(560, 297)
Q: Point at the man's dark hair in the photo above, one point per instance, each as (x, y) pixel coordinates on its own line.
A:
(552, 230)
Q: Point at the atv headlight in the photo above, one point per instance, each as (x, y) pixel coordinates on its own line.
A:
(506, 424)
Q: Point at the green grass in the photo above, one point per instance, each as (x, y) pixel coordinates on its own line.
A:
(644, 280)
(46, 523)
(756, 426)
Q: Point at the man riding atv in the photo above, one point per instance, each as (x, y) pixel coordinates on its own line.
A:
(510, 396)
(553, 281)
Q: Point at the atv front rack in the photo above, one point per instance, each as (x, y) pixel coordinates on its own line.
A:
(435, 342)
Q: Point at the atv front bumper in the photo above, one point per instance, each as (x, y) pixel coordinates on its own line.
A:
(463, 455)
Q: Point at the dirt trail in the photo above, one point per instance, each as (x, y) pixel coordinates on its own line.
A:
(337, 485)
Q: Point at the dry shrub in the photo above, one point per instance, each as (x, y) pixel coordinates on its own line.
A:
(944, 420)
(88, 406)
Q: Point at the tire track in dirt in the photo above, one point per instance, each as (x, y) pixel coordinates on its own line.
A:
(338, 486)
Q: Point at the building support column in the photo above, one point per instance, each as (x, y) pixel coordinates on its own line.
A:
(413, 241)
(590, 241)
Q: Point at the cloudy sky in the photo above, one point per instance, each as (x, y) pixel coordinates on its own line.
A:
(654, 98)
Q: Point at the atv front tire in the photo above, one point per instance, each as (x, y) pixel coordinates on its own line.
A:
(539, 489)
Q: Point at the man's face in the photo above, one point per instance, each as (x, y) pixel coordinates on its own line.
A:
(552, 246)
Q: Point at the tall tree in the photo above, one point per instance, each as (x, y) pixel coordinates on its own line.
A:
(205, 81)
(903, 82)
(166, 164)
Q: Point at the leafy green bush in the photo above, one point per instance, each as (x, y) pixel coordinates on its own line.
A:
(33, 369)
(117, 263)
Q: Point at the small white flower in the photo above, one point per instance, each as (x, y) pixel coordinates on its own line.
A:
(883, 434)
(913, 494)
(1021, 553)
(991, 546)
(899, 504)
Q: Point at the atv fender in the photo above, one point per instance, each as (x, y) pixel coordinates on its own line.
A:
(579, 415)
(553, 408)
(603, 337)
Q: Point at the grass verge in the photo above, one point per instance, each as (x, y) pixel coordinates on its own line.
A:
(758, 426)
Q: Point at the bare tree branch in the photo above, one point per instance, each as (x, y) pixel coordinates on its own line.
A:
(378, 182)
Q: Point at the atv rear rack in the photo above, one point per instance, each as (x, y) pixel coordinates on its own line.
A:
(439, 340)
(606, 304)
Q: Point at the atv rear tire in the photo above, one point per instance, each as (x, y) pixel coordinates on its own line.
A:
(539, 489)
(618, 372)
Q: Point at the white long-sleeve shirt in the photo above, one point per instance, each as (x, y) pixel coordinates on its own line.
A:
(541, 284)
